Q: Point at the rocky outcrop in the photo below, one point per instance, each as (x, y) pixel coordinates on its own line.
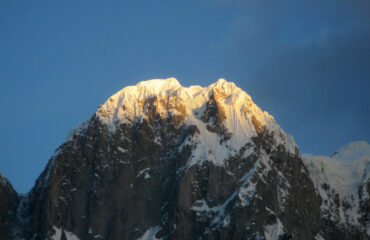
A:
(214, 115)
(9, 200)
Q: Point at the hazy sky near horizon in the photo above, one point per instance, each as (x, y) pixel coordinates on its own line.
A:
(305, 62)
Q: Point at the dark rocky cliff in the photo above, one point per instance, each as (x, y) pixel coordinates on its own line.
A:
(9, 201)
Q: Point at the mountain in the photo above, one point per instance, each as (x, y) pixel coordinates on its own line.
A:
(343, 183)
(162, 161)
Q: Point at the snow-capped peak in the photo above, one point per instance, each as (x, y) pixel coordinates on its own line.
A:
(345, 172)
(239, 116)
(156, 86)
(354, 151)
(226, 87)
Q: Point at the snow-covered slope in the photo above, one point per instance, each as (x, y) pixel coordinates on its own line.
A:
(241, 117)
(345, 176)
(344, 171)
(353, 152)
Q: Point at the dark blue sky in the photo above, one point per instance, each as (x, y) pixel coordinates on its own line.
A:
(305, 62)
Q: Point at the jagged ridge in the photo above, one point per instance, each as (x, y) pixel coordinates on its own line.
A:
(237, 119)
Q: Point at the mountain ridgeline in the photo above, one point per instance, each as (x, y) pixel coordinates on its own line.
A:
(162, 161)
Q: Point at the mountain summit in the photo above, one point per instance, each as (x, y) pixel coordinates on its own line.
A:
(162, 161)
(224, 115)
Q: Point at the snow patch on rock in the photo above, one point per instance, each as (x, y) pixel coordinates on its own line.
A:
(150, 234)
(272, 232)
(58, 234)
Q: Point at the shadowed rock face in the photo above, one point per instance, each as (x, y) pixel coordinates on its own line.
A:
(214, 116)
(118, 186)
(8, 208)
(152, 176)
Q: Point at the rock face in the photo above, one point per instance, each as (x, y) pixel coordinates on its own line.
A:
(161, 161)
(8, 208)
